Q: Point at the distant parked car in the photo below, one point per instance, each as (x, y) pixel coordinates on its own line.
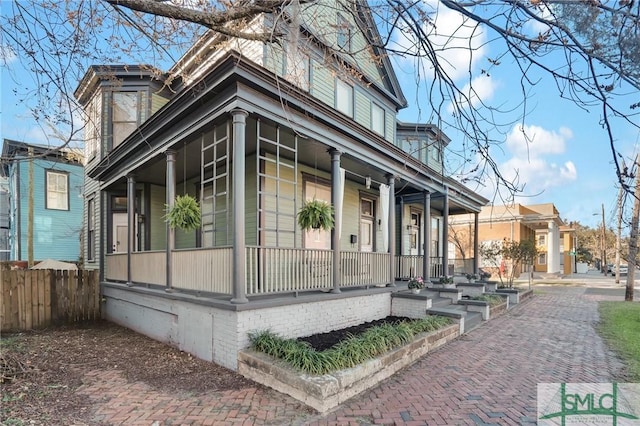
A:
(611, 268)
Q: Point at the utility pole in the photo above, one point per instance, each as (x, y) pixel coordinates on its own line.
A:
(30, 211)
(618, 240)
(604, 244)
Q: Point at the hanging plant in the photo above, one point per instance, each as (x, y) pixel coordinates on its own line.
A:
(316, 214)
(185, 213)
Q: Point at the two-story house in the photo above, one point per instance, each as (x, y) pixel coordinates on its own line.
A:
(42, 206)
(252, 130)
(555, 241)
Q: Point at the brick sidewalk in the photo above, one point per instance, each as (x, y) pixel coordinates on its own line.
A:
(486, 377)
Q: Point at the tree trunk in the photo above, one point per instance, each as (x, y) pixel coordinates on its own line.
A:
(633, 240)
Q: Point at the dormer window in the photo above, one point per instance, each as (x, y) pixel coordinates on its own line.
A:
(343, 34)
(125, 116)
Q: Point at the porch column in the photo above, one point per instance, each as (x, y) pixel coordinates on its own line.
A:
(238, 187)
(401, 248)
(131, 222)
(336, 200)
(553, 248)
(391, 181)
(445, 233)
(426, 251)
(171, 196)
(476, 244)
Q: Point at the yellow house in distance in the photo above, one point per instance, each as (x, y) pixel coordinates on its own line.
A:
(554, 239)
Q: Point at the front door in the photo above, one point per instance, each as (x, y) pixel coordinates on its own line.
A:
(120, 235)
(414, 234)
(366, 225)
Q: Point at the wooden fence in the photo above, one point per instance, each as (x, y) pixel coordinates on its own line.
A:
(39, 298)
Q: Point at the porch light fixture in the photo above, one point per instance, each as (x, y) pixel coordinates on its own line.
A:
(367, 182)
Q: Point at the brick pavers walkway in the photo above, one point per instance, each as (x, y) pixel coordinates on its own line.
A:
(486, 377)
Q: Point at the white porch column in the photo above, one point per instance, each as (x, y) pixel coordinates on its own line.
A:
(238, 188)
(553, 248)
(171, 196)
(392, 229)
(476, 244)
(131, 222)
(426, 252)
(445, 233)
(336, 200)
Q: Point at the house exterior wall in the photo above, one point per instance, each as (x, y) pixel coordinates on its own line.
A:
(221, 333)
(56, 233)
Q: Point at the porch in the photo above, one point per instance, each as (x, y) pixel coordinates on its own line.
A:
(269, 271)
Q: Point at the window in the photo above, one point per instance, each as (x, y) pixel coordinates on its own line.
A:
(125, 115)
(435, 152)
(91, 230)
(542, 240)
(57, 190)
(377, 119)
(344, 98)
(92, 128)
(343, 35)
(542, 259)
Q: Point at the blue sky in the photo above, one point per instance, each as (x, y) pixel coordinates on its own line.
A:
(568, 163)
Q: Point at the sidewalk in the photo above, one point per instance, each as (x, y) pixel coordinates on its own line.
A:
(487, 377)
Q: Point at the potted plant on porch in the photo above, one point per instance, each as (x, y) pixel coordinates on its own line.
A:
(446, 281)
(416, 284)
(184, 214)
(316, 214)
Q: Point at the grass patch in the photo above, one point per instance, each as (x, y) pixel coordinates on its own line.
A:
(492, 299)
(619, 326)
(348, 353)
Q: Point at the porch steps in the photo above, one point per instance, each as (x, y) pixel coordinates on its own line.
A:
(469, 320)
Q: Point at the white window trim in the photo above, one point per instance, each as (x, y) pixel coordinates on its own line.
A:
(383, 126)
(347, 89)
(64, 193)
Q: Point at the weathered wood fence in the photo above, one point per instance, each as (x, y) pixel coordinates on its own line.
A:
(39, 298)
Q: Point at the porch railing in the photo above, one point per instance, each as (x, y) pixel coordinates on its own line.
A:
(206, 270)
(115, 267)
(277, 270)
(363, 268)
(149, 267)
(411, 266)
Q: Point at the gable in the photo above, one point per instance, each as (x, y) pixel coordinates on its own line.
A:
(347, 30)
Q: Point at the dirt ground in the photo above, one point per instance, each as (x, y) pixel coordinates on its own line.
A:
(42, 369)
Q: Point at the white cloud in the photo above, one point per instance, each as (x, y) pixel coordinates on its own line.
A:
(483, 89)
(531, 163)
(458, 42)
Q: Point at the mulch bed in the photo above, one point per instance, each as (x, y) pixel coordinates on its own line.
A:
(41, 371)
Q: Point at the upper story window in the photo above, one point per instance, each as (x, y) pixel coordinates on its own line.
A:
(377, 119)
(343, 35)
(435, 151)
(57, 197)
(542, 239)
(92, 127)
(344, 98)
(124, 115)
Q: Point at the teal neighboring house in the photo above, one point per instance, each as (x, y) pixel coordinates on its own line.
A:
(54, 177)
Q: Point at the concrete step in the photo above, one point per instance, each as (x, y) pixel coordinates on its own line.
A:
(437, 301)
(472, 320)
